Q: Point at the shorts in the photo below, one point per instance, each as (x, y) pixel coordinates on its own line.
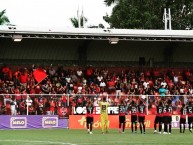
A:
(190, 119)
(141, 119)
(104, 118)
(158, 119)
(89, 120)
(133, 118)
(182, 120)
(167, 119)
(122, 119)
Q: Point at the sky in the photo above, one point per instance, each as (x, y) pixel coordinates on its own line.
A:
(54, 13)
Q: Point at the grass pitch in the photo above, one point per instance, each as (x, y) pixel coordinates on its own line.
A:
(80, 137)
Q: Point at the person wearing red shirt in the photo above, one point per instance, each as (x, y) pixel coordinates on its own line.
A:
(52, 107)
(31, 110)
(141, 116)
(22, 108)
(183, 112)
(133, 109)
(167, 110)
(190, 115)
(23, 79)
(89, 116)
(159, 117)
(111, 86)
(122, 118)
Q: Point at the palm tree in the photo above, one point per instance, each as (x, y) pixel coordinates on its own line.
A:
(75, 23)
(110, 2)
(3, 19)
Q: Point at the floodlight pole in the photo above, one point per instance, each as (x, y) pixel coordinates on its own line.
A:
(78, 16)
(83, 18)
(167, 19)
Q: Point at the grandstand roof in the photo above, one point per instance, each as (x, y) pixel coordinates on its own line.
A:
(96, 34)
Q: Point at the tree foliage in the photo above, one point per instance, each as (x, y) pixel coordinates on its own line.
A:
(3, 19)
(148, 14)
(75, 23)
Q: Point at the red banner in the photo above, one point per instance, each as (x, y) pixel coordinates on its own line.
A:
(39, 75)
(79, 121)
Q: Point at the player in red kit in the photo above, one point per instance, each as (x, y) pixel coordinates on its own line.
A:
(141, 116)
(159, 118)
(122, 118)
(89, 116)
(190, 117)
(133, 109)
(167, 117)
(183, 112)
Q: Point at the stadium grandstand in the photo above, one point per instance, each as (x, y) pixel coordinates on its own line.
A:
(75, 65)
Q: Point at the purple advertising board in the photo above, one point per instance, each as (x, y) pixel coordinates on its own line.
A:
(32, 122)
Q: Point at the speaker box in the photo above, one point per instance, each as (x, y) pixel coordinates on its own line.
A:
(141, 61)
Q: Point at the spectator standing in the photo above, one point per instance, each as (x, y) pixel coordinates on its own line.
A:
(13, 104)
(162, 91)
(52, 107)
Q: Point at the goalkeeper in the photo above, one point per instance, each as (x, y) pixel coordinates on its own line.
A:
(104, 115)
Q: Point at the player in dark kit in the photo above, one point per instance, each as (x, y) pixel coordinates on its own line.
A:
(133, 108)
(190, 117)
(183, 112)
(89, 116)
(122, 118)
(141, 116)
(167, 117)
(159, 118)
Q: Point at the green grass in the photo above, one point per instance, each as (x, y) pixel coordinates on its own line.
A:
(80, 137)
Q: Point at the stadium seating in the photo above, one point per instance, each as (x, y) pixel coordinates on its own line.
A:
(128, 80)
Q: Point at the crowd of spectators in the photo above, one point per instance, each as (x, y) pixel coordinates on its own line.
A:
(74, 86)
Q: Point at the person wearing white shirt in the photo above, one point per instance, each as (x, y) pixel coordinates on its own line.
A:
(145, 84)
(79, 73)
(102, 84)
(99, 78)
(13, 107)
(175, 79)
(163, 83)
(79, 89)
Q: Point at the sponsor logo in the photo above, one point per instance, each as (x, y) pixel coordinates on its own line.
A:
(49, 122)
(82, 110)
(97, 123)
(18, 122)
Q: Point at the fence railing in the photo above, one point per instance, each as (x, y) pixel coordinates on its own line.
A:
(35, 104)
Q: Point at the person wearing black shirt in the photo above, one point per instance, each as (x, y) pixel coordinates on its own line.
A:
(159, 117)
(133, 108)
(183, 112)
(168, 117)
(89, 116)
(122, 118)
(141, 116)
(190, 117)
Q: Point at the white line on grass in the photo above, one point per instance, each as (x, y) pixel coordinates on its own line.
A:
(40, 142)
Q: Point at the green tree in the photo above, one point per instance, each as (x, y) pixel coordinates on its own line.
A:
(75, 23)
(110, 2)
(3, 19)
(148, 14)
